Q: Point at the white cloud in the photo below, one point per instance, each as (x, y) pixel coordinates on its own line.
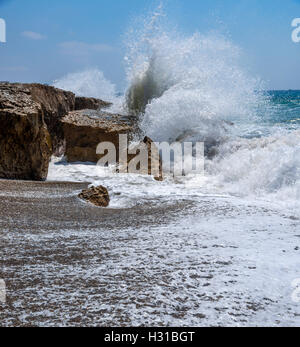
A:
(33, 35)
(14, 68)
(77, 48)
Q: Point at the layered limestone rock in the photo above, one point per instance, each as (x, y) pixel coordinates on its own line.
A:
(31, 128)
(38, 121)
(55, 104)
(97, 196)
(82, 103)
(25, 143)
(84, 130)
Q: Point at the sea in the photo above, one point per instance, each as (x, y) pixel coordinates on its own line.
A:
(231, 254)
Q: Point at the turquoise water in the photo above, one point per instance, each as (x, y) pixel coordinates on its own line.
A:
(278, 113)
(286, 108)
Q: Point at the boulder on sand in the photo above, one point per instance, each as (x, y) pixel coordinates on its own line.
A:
(96, 195)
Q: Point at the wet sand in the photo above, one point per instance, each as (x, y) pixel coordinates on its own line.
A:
(68, 263)
(50, 244)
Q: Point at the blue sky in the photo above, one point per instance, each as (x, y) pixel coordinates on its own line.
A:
(50, 38)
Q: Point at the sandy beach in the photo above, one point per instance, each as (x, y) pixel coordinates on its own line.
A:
(68, 263)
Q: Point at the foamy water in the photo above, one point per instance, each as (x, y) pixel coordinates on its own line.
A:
(194, 88)
(241, 238)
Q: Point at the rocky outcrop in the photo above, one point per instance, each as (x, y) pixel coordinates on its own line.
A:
(38, 121)
(31, 128)
(82, 103)
(25, 143)
(96, 195)
(55, 104)
(84, 130)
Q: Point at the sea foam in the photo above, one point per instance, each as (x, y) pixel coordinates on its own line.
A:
(195, 88)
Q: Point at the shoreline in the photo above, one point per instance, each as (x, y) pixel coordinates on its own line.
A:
(206, 263)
